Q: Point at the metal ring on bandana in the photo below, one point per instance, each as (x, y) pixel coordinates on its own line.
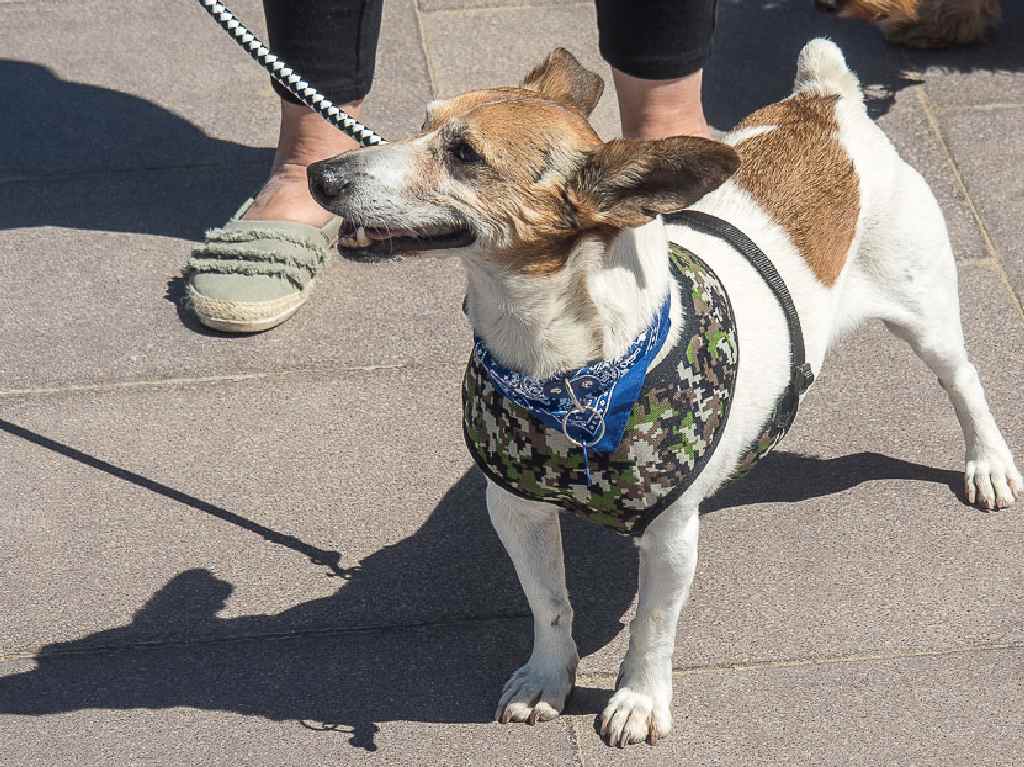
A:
(582, 409)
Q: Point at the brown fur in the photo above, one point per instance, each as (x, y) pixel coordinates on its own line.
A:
(924, 23)
(531, 146)
(802, 176)
(546, 179)
(626, 183)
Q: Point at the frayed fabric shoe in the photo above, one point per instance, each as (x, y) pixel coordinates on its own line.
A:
(249, 276)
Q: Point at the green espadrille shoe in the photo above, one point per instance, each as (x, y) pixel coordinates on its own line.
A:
(249, 276)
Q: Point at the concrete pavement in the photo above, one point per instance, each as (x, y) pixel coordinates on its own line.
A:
(272, 550)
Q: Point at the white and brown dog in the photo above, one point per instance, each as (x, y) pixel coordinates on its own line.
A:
(565, 257)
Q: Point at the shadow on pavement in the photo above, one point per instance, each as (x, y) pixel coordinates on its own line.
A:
(111, 161)
(784, 477)
(756, 47)
(334, 664)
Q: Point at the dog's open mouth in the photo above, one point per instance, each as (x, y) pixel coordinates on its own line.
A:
(376, 242)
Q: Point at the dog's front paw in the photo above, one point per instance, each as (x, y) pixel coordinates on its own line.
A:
(536, 692)
(633, 716)
(991, 480)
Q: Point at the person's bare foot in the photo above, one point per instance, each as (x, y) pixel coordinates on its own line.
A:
(653, 109)
(304, 138)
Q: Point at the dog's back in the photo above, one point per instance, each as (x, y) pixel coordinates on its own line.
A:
(853, 230)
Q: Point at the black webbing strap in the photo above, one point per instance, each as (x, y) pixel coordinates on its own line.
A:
(800, 374)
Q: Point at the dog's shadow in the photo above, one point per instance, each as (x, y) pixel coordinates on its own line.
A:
(330, 664)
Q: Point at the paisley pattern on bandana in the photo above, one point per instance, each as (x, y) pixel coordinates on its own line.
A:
(671, 433)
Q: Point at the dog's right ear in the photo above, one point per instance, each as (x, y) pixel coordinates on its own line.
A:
(627, 183)
(562, 78)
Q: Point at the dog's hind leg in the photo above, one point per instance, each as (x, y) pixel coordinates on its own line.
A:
(912, 280)
(641, 707)
(532, 536)
(991, 480)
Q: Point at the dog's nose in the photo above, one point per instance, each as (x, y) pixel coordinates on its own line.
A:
(327, 181)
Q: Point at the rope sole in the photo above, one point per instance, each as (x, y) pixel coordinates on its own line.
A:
(243, 316)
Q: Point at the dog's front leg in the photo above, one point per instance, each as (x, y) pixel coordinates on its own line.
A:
(641, 707)
(531, 534)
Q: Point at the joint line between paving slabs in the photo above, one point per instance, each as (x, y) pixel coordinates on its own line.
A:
(933, 123)
(423, 48)
(755, 665)
(569, 725)
(321, 372)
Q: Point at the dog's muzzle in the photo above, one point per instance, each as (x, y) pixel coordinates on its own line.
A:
(328, 182)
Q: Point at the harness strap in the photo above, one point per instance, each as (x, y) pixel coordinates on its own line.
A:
(800, 374)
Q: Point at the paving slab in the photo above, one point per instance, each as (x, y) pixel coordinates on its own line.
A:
(978, 75)
(470, 49)
(964, 708)
(417, 696)
(907, 125)
(169, 89)
(450, 5)
(111, 310)
(251, 508)
(989, 159)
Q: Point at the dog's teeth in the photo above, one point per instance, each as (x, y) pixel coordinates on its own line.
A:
(361, 239)
(348, 242)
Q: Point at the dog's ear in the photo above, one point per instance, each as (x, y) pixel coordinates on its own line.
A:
(627, 183)
(562, 78)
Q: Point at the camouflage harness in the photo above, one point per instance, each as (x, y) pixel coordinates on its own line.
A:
(672, 429)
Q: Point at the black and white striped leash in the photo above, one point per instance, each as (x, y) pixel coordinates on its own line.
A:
(289, 78)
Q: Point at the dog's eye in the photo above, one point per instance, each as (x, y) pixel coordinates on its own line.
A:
(465, 153)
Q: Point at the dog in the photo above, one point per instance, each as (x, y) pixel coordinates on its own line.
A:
(564, 240)
(923, 23)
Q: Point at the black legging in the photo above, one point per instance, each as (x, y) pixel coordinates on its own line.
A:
(333, 43)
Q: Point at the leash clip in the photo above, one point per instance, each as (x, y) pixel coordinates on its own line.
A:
(579, 407)
(803, 377)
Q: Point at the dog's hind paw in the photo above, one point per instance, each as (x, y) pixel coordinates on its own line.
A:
(536, 692)
(992, 481)
(633, 717)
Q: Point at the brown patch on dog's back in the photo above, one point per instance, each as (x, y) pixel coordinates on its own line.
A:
(801, 175)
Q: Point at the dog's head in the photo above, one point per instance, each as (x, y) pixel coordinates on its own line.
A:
(513, 174)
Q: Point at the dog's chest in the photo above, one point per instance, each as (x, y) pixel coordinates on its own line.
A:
(672, 431)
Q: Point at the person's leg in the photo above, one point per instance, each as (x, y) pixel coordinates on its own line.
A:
(333, 44)
(253, 274)
(657, 49)
(652, 109)
(304, 137)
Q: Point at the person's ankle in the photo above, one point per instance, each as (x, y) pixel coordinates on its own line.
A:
(652, 127)
(304, 138)
(653, 109)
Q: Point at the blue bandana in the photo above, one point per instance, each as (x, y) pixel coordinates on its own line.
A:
(590, 405)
